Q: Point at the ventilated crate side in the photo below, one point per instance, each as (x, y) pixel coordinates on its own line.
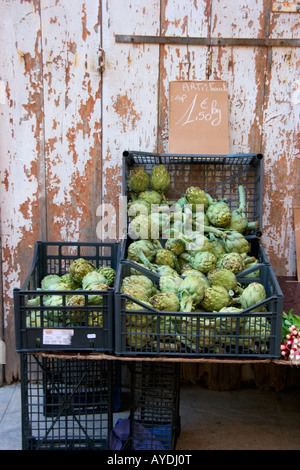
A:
(154, 408)
(66, 403)
(40, 326)
(255, 332)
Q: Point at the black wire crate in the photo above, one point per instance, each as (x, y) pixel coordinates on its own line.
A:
(66, 403)
(218, 175)
(254, 332)
(54, 312)
(154, 421)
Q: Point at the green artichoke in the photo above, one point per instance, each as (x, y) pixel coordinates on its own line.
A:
(252, 295)
(150, 196)
(194, 272)
(232, 261)
(215, 298)
(135, 248)
(160, 178)
(138, 207)
(236, 242)
(96, 299)
(165, 301)
(170, 283)
(218, 247)
(196, 196)
(141, 280)
(140, 227)
(109, 273)
(203, 261)
(166, 257)
(225, 278)
(197, 243)
(190, 293)
(175, 245)
(79, 268)
(138, 179)
(94, 277)
(137, 292)
(218, 212)
(239, 221)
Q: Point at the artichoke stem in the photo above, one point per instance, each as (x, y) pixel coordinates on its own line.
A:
(145, 260)
(210, 229)
(253, 225)
(242, 205)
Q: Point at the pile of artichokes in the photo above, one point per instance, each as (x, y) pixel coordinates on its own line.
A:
(82, 276)
(198, 266)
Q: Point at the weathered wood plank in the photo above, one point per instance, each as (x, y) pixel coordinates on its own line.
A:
(281, 146)
(129, 104)
(72, 86)
(21, 141)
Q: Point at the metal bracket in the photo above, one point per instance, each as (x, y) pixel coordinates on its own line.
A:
(286, 7)
(220, 42)
(101, 60)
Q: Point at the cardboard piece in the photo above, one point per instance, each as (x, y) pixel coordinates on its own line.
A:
(198, 117)
(297, 238)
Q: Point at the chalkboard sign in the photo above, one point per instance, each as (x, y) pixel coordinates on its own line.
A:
(198, 117)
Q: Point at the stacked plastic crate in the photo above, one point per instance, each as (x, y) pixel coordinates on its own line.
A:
(67, 402)
(253, 332)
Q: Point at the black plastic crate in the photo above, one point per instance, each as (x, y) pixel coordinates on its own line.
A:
(254, 332)
(154, 407)
(219, 175)
(65, 327)
(66, 403)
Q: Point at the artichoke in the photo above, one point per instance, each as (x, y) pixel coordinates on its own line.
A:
(197, 332)
(94, 277)
(138, 179)
(140, 227)
(166, 257)
(196, 196)
(232, 261)
(138, 207)
(190, 293)
(151, 197)
(236, 242)
(218, 212)
(252, 295)
(218, 247)
(76, 301)
(175, 245)
(225, 278)
(137, 292)
(96, 299)
(203, 261)
(165, 301)
(50, 281)
(198, 242)
(139, 280)
(215, 298)
(160, 178)
(79, 268)
(138, 319)
(109, 273)
(135, 248)
(170, 283)
(239, 221)
(194, 272)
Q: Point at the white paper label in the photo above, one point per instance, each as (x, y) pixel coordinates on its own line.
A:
(57, 336)
(91, 336)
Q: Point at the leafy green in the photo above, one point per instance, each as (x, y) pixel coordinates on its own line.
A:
(289, 319)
